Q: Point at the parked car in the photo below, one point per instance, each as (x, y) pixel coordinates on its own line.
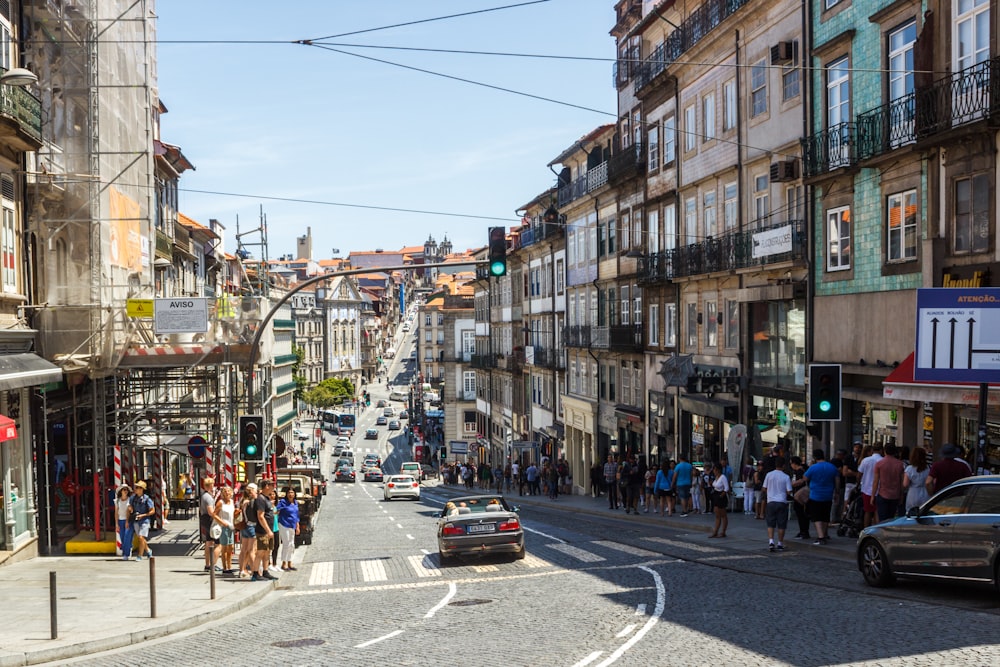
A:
(428, 472)
(371, 434)
(381, 420)
(479, 525)
(394, 425)
(401, 486)
(953, 535)
(373, 475)
(344, 474)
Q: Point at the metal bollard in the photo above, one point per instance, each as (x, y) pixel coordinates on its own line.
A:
(152, 587)
(211, 574)
(53, 611)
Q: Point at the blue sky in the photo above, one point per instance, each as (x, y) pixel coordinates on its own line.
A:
(302, 122)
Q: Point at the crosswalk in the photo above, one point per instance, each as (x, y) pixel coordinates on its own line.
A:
(428, 566)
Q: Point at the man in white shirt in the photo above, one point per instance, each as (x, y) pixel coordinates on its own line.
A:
(867, 471)
(778, 487)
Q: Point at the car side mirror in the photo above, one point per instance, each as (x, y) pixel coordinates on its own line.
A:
(515, 508)
(913, 513)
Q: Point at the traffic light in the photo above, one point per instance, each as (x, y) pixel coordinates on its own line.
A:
(444, 452)
(824, 392)
(498, 252)
(251, 438)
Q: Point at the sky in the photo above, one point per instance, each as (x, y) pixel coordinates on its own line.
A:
(299, 128)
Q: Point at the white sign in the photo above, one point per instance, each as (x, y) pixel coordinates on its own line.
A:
(772, 242)
(184, 315)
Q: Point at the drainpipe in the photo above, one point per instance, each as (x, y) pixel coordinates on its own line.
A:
(740, 197)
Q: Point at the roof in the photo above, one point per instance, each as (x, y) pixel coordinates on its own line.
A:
(591, 136)
(412, 250)
(191, 223)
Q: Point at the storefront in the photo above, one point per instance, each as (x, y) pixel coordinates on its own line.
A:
(705, 423)
(781, 422)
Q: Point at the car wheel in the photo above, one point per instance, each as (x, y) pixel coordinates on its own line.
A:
(875, 564)
(519, 555)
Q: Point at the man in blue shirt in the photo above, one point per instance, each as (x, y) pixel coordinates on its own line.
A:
(681, 483)
(822, 476)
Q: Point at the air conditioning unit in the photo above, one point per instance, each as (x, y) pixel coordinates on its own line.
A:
(783, 171)
(782, 53)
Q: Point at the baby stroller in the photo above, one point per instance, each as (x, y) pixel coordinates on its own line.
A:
(853, 520)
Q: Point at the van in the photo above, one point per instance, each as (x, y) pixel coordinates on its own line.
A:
(411, 468)
(397, 395)
(406, 326)
(347, 454)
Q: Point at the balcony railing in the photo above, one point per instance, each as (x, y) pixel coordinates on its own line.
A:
(625, 338)
(782, 242)
(627, 163)
(577, 335)
(698, 24)
(484, 361)
(961, 98)
(549, 358)
(593, 179)
(599, 337)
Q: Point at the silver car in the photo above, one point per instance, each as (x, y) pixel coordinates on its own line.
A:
(479, 525)
(954, 535)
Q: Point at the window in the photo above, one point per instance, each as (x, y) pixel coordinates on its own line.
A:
(761, 198)
(690, 129)
(5, 44)
(732, 324)
(729, 108)
(794, 204)
(669, 140)
(612, 315)
(972, 214)
(626, 132)
(560, 277)
(730, 207)
(636, 305)
(637, 126)
(625, 241)
(626, 306)
(692, 327)
(653, 231)
(611, 234)
(468, 344)
(611, 371)
(670, 325)
(900, 44)
(690, 221)
(838, 112)
(653, 139)
(790, 76)
(830, 3)
(708, 213)
(469, 383)
(901, 218)
(626, 383)
(654, 324)
(758, 88)
(971, 39)
(838, 223)
(669, 227)
(711, 324)
(708, 117)
(8, 237)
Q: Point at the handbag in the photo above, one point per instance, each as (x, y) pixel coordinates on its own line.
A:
(240, 523)
(802, 495)
(215, 531)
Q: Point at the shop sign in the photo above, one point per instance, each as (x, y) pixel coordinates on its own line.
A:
(958, 335)
(772, 242)
(966, 276)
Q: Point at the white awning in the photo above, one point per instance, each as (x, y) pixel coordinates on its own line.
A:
(26, 370)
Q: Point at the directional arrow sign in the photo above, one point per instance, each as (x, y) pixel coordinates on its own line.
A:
(958, 335)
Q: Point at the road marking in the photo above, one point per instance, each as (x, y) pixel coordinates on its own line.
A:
(640, 609)
(635, 551)
(321, 575)
(684, 545)
(408, 536)
(589, 659)
(546, 535)
(373, 570)
(423, 566)
(379, 639)
(576, 552)
(661, 600)
(627, 630)
(452, 589)
(485, 568)
(400, 526)
(422, 584)
(533, 561)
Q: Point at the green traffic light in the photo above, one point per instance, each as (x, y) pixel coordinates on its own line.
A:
(251, 450)
(498, 268)
(825, 406)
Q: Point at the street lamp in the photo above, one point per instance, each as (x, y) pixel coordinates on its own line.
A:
(18, 76)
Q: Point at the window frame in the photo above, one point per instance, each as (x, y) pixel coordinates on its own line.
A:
(711, 321)
(758, 88)
(690, 128)
(669, 140)
(654, 324)
(708, 118)
(653, 145)
(971, 249)
(841, 264)
(729, 106)
(904, 227)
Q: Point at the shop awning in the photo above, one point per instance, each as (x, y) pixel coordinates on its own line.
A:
(26, 370)
(900, 385)
(8, 429)
(710, 407)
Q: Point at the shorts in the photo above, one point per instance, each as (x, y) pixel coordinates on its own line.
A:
(226, 539)
(868, 502)
(205, 527)
(141, 528)
(683, 491)
(720, 500)
(776, 515)
(819, 510)
(265, 542)
(665, 493)
(248, 533)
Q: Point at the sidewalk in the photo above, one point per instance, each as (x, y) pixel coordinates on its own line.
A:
(744, 532)
(104, 602)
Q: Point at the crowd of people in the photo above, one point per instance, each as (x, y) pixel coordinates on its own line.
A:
(551, 478)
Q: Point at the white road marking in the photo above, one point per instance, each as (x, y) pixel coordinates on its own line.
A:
(452, 589)
(321, 575)
(626, 631)
(589, 659)
(576, 552)
(422, 584)
(379, 639)
(538, 532)
(423, 566)
(400, 526)
(391, 519)
(661, 601)
(425, 552)
(485, 568)
(410, 537)
(684, 545)
(533, 561)
(640, 609)
(635, 551)
(373, 570)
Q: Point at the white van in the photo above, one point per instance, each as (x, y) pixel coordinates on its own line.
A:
(406, 326)
(397, 395)
(411, 468)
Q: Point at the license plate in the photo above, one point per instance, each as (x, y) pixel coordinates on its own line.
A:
(482, 528)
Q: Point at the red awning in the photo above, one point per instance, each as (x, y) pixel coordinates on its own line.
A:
(8, 429)
(900, 385)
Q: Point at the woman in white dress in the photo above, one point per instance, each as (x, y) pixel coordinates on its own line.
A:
(915, 478)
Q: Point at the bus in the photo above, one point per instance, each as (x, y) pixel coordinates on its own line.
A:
(338, 423)
(346, 422)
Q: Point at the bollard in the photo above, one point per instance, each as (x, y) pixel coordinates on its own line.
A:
(211, 574)
(53, 617)
(152, 587)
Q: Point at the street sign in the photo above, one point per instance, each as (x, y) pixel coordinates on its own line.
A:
(187, 315)
(958, 335)
(139, 308)
(196, 447)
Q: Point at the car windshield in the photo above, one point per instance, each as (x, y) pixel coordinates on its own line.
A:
(478, 505)
(401, 479)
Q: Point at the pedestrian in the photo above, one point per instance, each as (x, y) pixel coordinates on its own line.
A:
(838, 490)
(554, 479)
(125, 533)
(264, 512)
(800, 499)
(648, 493)
(507, 476)
(563, 469)
(288, 526)
(485, 477)
(705, 480)
(871, 455)
(720, 501)
(515, 473)
(947, 469)
(849, 472)
(596, 480)
(749, 489)
(247, 522)
(822, 478)
(662, 489)
(225, 512)
(611, 481)
(273, 496)
(887, 484)
(915, 478)
(760, 504)
(498, 477)
(635, 482)
(141, 511)
(698, 502)
(776, 489)
(681, 484)
(206, 519)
